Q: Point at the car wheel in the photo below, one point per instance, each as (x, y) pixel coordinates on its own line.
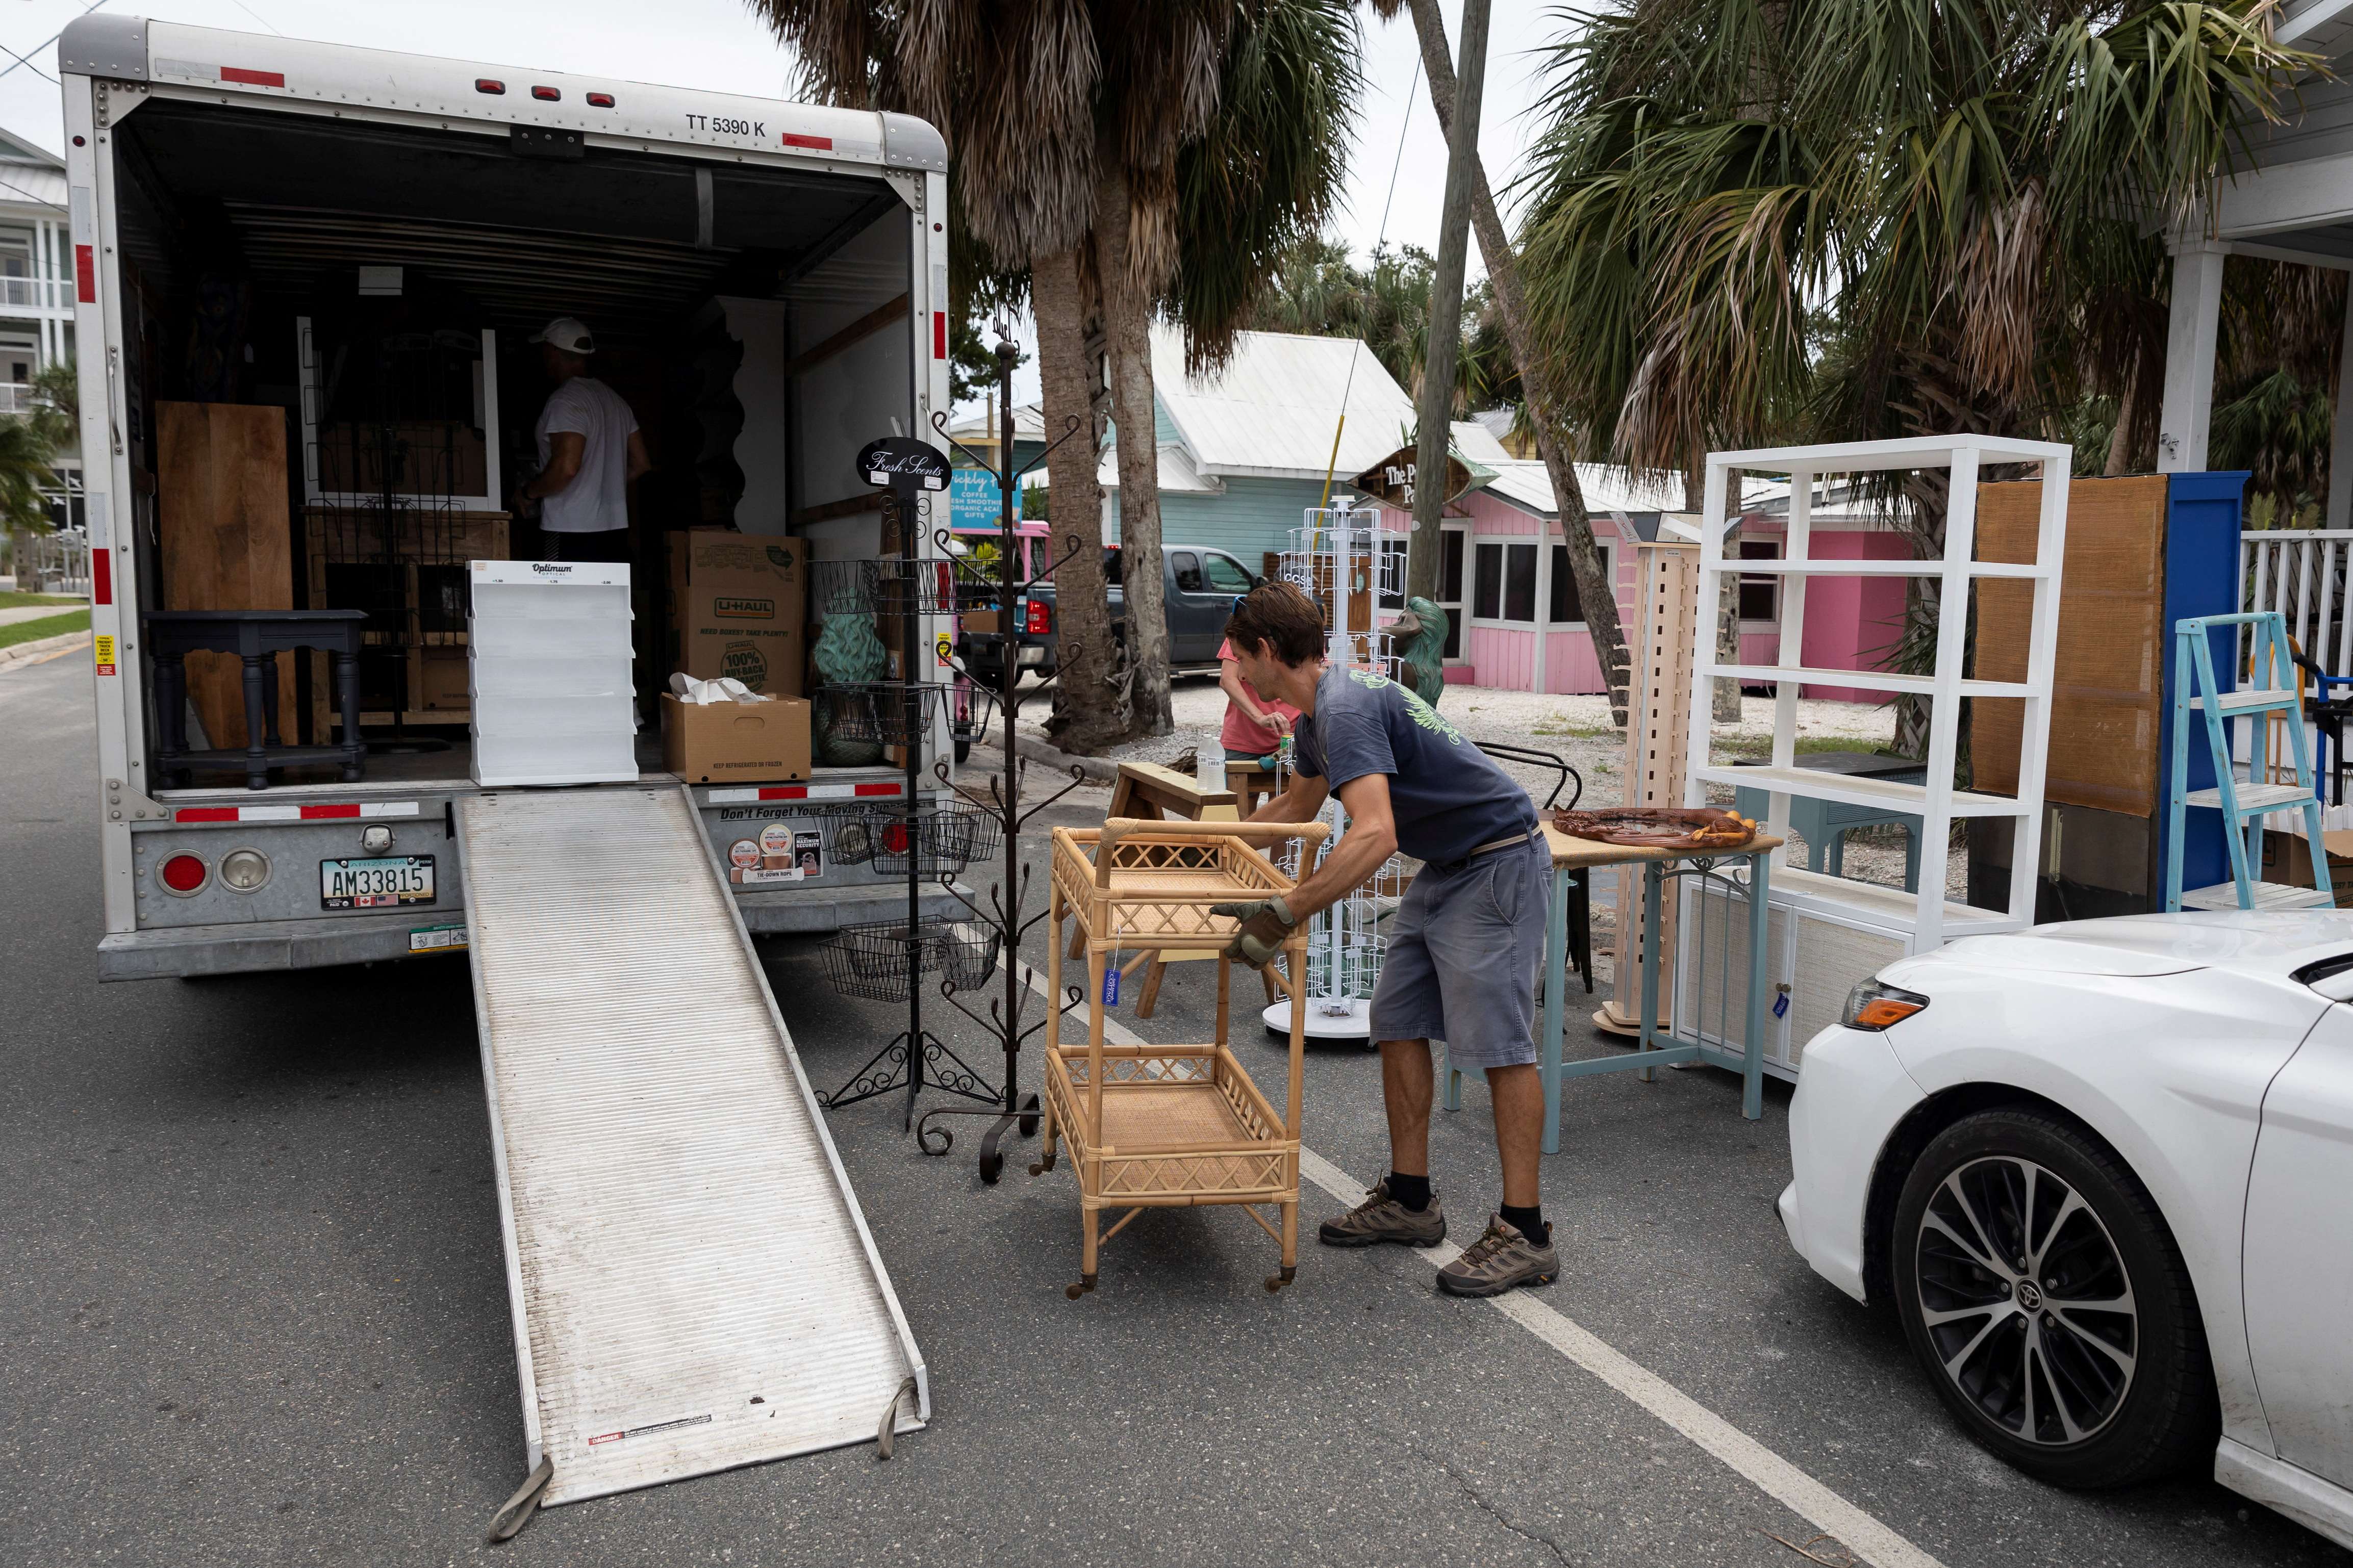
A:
(2042, 1293)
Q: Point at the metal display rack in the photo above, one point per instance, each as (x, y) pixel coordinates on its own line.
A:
(938, 840)
(1336, 558)
(889, 961)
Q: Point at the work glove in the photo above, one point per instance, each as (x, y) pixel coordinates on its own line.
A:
(1264, 925)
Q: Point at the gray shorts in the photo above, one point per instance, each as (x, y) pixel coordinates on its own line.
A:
(1462, 965)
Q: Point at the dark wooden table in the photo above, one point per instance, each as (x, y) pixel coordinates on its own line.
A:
(258, 637)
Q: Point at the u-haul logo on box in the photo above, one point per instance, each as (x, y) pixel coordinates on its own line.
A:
(745, 609)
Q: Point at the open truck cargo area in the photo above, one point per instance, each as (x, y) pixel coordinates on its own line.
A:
(307, 281)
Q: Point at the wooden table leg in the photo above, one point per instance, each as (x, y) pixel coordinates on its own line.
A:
(1556, 999)
(347, 700)
(1144, 1004)
(256, 744)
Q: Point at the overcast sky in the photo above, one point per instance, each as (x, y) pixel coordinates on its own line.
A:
(718, 44)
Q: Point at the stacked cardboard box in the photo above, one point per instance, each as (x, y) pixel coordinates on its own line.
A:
(738, 607)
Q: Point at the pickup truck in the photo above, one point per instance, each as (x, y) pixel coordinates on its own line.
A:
(1200, 581)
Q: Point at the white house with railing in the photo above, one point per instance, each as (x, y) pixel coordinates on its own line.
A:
(36, 291)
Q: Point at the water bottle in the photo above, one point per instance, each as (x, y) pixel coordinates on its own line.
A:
(1210, 765)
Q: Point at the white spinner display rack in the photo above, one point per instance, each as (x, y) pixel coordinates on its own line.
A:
(1826, 932)
(1336, 558)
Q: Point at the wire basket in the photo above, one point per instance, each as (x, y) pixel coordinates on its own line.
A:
(903, 587)
(879, 712)
(879, 961)
(941, 838)
(838, 588)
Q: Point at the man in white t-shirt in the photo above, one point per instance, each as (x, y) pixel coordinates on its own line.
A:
(589, 450)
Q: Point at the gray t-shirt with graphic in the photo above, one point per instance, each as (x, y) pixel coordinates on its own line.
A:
(1448, 796)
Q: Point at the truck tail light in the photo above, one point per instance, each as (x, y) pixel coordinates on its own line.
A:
(1041, 619)
(489, 85)
(183, 874)
(546, 94)
(600, 101)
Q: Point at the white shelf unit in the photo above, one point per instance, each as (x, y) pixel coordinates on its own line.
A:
(1876, 925)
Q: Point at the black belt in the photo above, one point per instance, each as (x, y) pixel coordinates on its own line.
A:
(1488, 849)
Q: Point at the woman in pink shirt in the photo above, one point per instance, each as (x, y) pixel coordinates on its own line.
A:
(1255, 726)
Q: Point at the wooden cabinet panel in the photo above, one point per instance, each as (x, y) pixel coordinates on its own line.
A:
(221, 516)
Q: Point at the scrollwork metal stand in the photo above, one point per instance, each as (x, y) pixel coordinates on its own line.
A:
(1003, 910)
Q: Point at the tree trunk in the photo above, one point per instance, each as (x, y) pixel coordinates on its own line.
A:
(1554, 441)
(1443, 339)
(1127, 327)
(1091, 714)
(2119, 461)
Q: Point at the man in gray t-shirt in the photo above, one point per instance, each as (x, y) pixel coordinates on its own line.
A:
(1463, 945)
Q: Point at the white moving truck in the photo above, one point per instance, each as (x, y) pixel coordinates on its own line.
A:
(365, 242)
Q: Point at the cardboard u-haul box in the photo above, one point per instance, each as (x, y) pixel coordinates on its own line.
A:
(764, 743)
(738, 605)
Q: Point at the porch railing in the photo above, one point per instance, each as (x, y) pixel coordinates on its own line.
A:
(2302, 572)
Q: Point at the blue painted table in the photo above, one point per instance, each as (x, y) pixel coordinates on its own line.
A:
(1658, 1045)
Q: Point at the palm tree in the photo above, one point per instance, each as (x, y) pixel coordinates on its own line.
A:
(1128, 158)
(1968, 184)
(1547, 406)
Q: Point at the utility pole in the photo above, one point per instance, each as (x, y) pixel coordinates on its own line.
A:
(1444, 341)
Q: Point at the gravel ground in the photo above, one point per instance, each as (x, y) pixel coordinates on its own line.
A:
(1578, 730)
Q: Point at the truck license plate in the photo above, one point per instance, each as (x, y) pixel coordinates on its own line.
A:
(389, 883)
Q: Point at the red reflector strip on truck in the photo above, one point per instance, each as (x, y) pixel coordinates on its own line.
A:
(84, 275)
(819, 144)
(253, 79)
(101, 576)
(939, 334)
(803, 792)
(294, 813)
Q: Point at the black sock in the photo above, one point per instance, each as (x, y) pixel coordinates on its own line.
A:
(1528, 1222)
(1413, 1192)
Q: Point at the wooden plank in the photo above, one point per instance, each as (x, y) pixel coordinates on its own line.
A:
(222, 521)
(2106, 702)
(858, 331)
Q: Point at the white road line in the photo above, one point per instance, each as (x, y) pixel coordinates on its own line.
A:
(1775, 1476)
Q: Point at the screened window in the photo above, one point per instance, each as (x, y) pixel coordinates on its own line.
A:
(1487, 591)
(1565, 608)
(1760, 596)
(1450, 567)
(1505, 588)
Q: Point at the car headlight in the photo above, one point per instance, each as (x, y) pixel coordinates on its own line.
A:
(1873, 1006)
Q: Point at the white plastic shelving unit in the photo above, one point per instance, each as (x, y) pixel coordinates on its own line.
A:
(549, 677)
(1828, 932)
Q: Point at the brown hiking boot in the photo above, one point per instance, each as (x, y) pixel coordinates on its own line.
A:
(1501, 1259)
(1381, 1218)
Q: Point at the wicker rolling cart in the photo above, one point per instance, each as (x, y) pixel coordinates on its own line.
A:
(1167, 1126)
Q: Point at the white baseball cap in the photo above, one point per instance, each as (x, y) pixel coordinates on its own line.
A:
(568, 333)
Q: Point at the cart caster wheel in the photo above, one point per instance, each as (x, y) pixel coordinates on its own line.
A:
(1029, 1116)
(1086, 1283)
(1040, 1167)
(1277, 1281)
(992, 1165)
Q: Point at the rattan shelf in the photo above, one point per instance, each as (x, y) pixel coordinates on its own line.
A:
(1163, 1126)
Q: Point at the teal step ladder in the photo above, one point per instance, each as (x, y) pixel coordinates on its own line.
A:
(2244, 803)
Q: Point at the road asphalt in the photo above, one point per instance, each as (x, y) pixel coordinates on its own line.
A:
(253, 1310)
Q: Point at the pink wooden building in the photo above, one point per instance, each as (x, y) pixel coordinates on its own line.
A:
(1505, 585)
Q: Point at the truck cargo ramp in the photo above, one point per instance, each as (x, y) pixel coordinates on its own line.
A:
(692, 1283)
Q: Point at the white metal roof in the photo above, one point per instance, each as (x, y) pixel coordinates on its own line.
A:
(1029, 423)
(1271, 413)
(1524, 483)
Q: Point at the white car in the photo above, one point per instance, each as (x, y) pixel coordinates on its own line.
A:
(2103, 1171)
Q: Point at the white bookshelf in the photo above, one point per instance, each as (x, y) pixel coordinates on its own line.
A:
(1922, 922)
